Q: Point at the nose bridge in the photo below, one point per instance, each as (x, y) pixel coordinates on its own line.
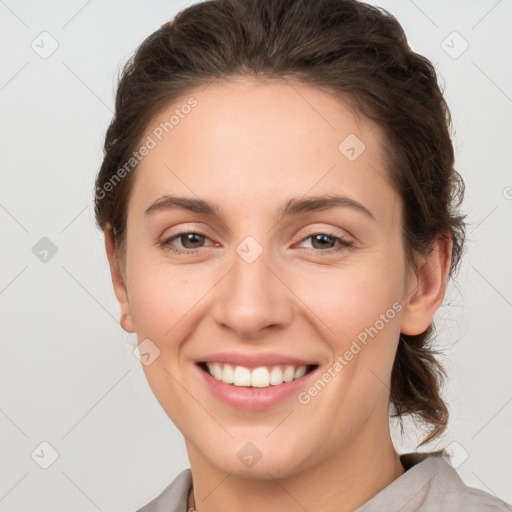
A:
(251, 297)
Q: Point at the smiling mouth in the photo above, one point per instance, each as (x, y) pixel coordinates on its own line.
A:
(260, 377)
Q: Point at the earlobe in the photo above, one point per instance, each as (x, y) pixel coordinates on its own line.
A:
(427, 288)
(127, 322)
(118, 281)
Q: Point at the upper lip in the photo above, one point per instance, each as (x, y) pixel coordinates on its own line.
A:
(255, 360)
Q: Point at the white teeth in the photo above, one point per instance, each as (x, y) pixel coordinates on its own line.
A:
(242, 376)
(276, 376)
(227, 374)
(261, 377)
(216, 370)
(288, 373)
(299, 372)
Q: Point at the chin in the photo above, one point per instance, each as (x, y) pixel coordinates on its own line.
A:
(262, 460)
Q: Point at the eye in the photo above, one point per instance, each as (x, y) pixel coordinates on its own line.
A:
(190, 242)
(324, 242)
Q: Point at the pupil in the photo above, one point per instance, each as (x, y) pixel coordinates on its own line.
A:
(190, 238)
(324, 237)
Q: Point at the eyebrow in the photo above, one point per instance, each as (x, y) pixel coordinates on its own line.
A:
(294, 206)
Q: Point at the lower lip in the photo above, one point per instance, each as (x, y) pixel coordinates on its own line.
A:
(252, 398)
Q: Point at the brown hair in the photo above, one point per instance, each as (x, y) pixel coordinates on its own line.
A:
(356, 51)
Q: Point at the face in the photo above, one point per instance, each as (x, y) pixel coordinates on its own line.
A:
(259, 279)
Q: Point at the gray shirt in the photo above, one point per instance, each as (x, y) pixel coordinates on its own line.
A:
(429, 484)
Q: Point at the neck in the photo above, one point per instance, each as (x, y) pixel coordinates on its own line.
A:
(341, 484)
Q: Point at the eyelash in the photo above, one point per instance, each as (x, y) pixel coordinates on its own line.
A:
(343, 244)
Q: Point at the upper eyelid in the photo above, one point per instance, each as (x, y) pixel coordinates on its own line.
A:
(309, 232)
(224, 230)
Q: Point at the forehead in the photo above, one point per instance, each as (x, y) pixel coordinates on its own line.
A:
(247, 141)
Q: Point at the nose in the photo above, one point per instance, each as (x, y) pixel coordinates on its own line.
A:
(253, 299)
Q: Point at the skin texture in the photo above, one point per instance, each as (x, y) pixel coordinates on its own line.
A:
(249, 147)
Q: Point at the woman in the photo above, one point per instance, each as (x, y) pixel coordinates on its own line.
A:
(279, 206)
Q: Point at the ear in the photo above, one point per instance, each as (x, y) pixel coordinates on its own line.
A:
(118, 281)
(427, 287)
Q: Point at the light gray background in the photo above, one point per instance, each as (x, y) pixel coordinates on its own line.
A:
(68, 373)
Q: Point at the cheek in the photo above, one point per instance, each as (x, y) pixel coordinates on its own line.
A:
(348, 300)
(164, 302)
(161, 296)
(362, 309)
(154, 309)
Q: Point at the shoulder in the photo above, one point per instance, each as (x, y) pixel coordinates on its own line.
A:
(431, 484)
(457, 495)
(174, 498)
